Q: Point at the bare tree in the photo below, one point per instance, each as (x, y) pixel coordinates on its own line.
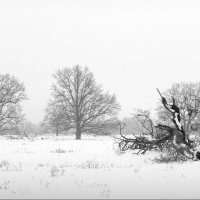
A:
(26, 129)
(11, 94)
(55, 119)
(82, 103)
(187, 97)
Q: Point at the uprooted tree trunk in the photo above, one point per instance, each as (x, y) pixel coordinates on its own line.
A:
(158, 137)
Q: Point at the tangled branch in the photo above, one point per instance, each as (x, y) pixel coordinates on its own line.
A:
(160, 136)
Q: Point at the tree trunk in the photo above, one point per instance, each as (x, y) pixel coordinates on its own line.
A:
(78, 133)
(57, 130)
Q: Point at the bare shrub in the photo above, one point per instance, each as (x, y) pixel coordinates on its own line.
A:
(90, 165)
(7, 166)
(56, 171)
(59, 151)
(171, 155)
(4, 185)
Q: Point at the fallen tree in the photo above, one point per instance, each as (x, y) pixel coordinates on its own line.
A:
(160, 136)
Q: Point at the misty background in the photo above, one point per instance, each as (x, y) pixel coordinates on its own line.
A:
(132, 47)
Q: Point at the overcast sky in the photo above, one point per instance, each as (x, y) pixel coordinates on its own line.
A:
(132, 47)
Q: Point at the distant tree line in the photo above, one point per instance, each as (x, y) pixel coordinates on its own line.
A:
(78, 104)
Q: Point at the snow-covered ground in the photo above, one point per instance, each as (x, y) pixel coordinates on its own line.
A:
(65, 168)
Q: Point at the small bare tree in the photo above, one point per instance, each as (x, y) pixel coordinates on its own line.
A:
(26, 129)
(11, 94)
(82, 103)
(55, 118)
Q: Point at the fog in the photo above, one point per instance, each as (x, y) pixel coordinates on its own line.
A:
(132, 47)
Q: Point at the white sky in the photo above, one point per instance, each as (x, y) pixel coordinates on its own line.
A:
(132, 47)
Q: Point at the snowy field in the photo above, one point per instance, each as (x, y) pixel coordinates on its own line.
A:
(64, 168)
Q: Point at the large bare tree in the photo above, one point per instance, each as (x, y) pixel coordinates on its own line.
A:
(187, 97)
(82, 103)
(11, 94)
